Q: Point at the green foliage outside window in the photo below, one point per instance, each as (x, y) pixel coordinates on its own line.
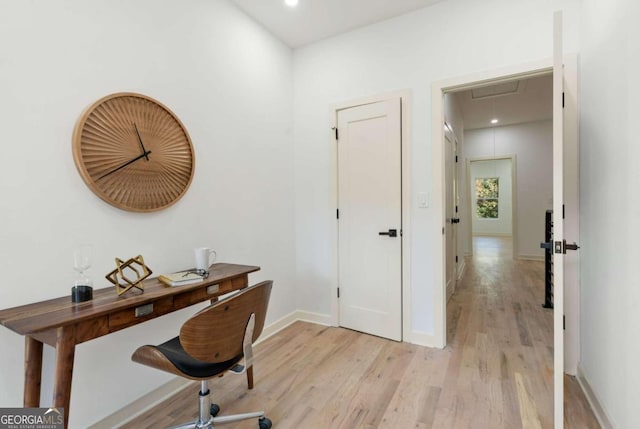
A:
(487, 191)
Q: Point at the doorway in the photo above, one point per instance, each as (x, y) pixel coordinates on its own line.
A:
(492, 198)
(565, 78)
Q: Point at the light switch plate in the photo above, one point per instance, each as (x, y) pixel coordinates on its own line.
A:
(423, 199)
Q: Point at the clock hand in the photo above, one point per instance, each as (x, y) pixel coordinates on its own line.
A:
(144, 155)
(144, 151)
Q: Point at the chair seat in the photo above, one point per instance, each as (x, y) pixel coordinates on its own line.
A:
(171, 357)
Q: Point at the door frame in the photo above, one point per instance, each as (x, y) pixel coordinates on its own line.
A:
(437, 247)
(514, 199)
(405, 127)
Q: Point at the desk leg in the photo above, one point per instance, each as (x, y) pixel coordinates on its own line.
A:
(32, 372)
(65, 352)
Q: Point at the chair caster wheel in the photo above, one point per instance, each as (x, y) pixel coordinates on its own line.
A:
(214, 410)
(264, 423)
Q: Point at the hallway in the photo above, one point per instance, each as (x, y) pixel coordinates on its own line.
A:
(503, 339)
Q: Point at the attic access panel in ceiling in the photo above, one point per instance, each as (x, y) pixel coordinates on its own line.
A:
(497, 90)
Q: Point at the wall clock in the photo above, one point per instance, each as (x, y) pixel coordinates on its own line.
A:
(133, 152)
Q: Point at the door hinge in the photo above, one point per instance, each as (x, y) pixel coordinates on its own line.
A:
(456, 259)
(443, 230)
(456, 209)
(563, 100)
(456, 158)
(336, 130)
(337, 213)
(564, 322)
(338, 292)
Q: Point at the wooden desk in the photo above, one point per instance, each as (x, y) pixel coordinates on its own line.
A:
(63, 324)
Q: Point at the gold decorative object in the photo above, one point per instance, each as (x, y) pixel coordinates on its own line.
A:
(133, 266)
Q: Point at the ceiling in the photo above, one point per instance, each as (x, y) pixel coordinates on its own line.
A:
(515, 102)
(313, 20)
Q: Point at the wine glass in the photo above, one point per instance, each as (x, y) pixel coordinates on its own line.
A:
(81, 263)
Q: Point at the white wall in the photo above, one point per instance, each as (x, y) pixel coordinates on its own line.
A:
(410, 52)
(227, 79)
(610, 206)
(532, 143)
(500, 168)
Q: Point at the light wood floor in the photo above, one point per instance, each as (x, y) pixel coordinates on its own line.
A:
(496, 371)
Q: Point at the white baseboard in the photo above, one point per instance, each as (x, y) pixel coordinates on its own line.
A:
(421, 339)
(450, 289)
(492, 234)
(318, 318)
(156, 396)
(142, 404)
(461, 268)
(593, 400)
(531, 257)
(294, 316)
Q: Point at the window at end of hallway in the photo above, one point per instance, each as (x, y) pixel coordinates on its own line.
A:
(487, 197)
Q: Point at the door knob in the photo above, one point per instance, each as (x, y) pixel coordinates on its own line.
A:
(562, 246)
(573, 246)
(390, 233)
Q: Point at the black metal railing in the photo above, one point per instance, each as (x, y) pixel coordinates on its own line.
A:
(548, 259)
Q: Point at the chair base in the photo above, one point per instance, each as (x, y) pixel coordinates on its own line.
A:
(263, 422)
(208, 419)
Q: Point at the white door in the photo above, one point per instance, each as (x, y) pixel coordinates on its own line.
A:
(451, 210)
(369, 219)
(558, 232)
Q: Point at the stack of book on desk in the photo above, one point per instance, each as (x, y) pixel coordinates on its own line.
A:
(180, 278)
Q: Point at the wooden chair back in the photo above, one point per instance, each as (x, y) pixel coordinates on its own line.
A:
(215, 334)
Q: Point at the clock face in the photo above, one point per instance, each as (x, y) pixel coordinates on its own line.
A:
(133, 152)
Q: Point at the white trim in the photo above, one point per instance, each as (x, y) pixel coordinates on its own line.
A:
(524, 257)
(142, 404)
(405, 97)
(438, 89)
(558, 223)
(450, 289)
(421, 339)
(492, 234)
(294, 316)
(593, 400)
(462, 267)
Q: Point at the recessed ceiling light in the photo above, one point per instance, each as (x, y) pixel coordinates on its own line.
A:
(291, 3)
(494, 121)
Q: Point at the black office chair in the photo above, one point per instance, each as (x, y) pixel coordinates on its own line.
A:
(212, 342)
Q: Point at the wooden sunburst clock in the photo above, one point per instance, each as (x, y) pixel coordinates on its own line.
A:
(133, 152)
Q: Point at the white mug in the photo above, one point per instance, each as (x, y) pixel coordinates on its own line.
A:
(204, 258)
